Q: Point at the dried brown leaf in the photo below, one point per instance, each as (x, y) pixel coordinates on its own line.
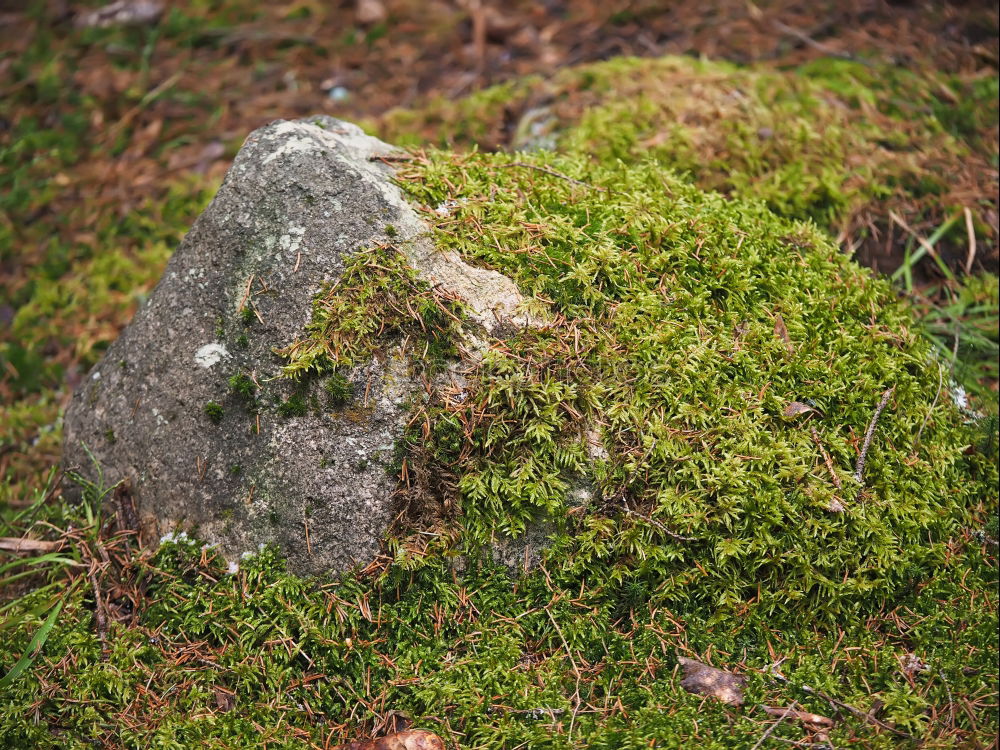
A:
(224, 699)
(413, 739)
(795, 408)
(702, 679)
(782, 332)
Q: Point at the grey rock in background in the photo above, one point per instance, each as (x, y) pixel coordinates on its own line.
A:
(300, 197)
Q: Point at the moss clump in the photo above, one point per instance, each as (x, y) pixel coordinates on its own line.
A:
(339, 389)
(689, 323)
(214, 412)
(838, 142)
(377, 298)
(483, 659)
(294, 406)
(244, 388)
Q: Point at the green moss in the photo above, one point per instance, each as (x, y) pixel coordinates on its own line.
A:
(294, 406)
(670, 298)
(482, 659)
(377, 299)
(838, 142)
(214, 411)
(339, 389)
(244, 388)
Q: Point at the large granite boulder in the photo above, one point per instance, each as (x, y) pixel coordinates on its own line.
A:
(160, 411)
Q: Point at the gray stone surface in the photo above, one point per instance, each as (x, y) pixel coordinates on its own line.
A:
(299, 198)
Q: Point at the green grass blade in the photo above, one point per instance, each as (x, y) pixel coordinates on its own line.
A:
(34, 647)
(50, 557)
(911, 260)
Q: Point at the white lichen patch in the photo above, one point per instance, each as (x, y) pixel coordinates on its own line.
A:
(210, 354)
(178, 538)
(291, 241)
(291, 146)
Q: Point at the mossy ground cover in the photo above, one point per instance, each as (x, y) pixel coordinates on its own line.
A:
(172, 651)
(843, 143)
(555, 660)
(687, 325)
(899, 165)
(710, 530)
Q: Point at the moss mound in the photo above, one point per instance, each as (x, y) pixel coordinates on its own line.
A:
(842, 143)
(694, 417)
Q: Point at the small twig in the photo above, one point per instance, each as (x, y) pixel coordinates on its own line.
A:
(859, 472)
(100, 618)
(788, 712)
(971, 231)
(19, 545)
(553, 173)
(661, 527)
(391, 158)
(826, 458)
(808, 40)
(576, 671)
(863, 715)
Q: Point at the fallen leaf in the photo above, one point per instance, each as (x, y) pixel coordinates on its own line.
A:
(702, 679)
(812, 720)
(224, 699)
(795, 408)
(413, 739)
(911, 664)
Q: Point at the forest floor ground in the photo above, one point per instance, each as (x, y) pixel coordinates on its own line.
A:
(112, 140)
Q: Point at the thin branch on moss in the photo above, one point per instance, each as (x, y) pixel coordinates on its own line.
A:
(100, 618)
(827, 460)
(576, 670)
(554, 173)
(788, 712)
(859, 472)
(863, 715)
(661, 527)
